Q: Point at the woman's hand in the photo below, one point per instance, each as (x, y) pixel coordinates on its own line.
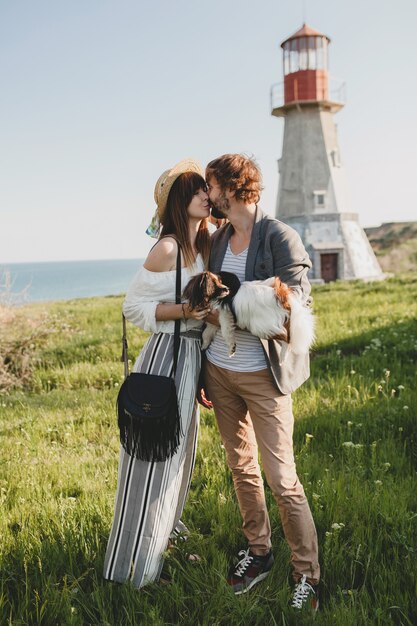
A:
(199, 314)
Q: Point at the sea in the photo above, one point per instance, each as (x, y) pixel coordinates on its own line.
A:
(22, 283)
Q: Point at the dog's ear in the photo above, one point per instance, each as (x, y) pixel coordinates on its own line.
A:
(208, 285)
(193, 292)
(231, 281)
(200, 289)
(282, 292)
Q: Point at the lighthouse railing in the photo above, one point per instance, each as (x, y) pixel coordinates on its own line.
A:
(337, 90)
(337, 93)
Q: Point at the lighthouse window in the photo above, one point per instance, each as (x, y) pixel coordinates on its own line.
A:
(303, 53)
(287, 59)
(319, 198)
(294, 64)
(321, 53)
(335, 158)
(312, 56)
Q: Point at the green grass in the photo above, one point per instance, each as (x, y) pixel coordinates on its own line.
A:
(355, 442)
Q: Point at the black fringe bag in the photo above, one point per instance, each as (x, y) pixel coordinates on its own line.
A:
(147, 406)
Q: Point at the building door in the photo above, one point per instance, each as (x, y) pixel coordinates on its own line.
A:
(329, 267)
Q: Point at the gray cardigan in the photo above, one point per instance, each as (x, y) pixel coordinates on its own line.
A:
(275, 249)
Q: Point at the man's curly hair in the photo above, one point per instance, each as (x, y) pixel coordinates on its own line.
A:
(239, 174)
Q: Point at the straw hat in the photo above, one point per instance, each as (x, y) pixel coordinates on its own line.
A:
(167, 179)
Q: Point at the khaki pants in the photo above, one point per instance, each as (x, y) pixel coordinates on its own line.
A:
(251, 413)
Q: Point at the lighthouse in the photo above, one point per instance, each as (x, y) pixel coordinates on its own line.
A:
(313, 195)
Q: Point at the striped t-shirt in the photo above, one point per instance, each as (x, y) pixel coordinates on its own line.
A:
(249, 355)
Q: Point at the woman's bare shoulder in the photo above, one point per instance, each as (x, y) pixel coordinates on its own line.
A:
(163, 256)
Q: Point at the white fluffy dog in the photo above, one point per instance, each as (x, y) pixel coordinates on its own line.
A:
(270, 309)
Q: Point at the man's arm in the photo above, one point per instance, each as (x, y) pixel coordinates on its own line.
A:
(290, 259)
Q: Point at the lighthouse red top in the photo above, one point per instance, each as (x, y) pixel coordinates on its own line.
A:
(305, 66)
(305, 31)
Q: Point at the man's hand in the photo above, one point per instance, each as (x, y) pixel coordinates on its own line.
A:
(203, 399)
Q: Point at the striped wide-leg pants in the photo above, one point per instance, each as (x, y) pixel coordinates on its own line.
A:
(151, 495)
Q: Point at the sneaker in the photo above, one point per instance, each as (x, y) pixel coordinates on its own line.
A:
(250, 570)
(305, 596)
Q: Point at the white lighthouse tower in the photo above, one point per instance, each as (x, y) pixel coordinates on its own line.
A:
(313, 196)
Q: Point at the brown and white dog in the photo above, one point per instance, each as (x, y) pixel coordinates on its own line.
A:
(267, 308)
(218, 292)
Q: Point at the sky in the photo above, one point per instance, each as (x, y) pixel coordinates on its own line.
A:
(99, 97)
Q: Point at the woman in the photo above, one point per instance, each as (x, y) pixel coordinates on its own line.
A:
(151, 495)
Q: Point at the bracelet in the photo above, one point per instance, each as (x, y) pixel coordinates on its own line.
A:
(183, 313)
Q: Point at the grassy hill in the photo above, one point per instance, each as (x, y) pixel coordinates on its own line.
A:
(355, 444)
(395, 245)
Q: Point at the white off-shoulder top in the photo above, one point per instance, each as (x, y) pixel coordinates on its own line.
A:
(148, 289)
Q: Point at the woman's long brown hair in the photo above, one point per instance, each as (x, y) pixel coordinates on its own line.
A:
(176, 217)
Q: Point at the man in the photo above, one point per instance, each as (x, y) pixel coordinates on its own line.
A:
(251, 392)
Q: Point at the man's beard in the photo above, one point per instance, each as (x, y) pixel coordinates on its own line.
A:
(221, 207)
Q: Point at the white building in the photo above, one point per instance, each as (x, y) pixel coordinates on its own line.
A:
(313, 196)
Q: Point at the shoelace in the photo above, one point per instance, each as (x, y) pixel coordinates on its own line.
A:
(244, 563)
(301, 593)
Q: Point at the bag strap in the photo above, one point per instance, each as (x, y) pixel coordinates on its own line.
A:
(125, 357)
(177, 301)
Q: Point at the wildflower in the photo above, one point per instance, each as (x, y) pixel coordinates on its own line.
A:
(308, 437)
(405, 408)
(400, 429)
(380, 388)
(328, 533)
(401, 387)
(337, 526)
(316, 496)
(350, 424)
(387, 465)
(393, 392)
(378, 482)
(387, 373)
(348, 444)
(352, 372)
